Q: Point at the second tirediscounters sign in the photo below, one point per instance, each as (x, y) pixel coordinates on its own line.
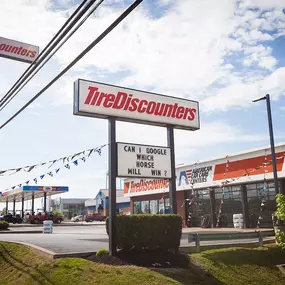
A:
(17, 50)
(94, 99)
(143, 161)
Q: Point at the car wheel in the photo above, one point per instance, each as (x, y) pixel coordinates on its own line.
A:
(77, 221)
(58, 221)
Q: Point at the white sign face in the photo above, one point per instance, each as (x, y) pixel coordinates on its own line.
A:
(143, 161)
(102, 101)
(18, 50)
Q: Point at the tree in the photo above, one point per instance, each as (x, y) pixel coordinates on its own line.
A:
(4, 211)
(56, 212)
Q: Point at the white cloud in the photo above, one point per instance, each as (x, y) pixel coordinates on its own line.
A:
(241, 93)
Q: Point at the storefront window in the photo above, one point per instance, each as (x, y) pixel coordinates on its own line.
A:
(231, 197)
(137, 208)
(258, 193)
(154, 206)
(145, 207)
(161, 206)
(167, 206)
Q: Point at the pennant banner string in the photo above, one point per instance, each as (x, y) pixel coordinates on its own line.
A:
(68, 158)
(53, 172)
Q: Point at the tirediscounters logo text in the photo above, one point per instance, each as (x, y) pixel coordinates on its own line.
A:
(101, 100)
(145, 185)
(18, 50)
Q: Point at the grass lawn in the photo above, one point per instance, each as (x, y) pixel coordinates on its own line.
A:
(240, 266)
(19, 265)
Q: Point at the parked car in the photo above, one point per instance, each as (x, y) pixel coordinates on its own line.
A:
(94, 217)
(17, 219)
(77, 219)
(40, 217)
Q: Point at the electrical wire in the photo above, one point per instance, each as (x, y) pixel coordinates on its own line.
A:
(51, 45)
(51, 55)
(82, 54)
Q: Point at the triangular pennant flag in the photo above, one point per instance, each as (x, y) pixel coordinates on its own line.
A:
(36, 180)
(91, 150)
(64, 159)
(75, 155)
(83, 159)
(13, 187)
(52, 163)
(50, 173)
(98, 150)
(43, 163)
(67, 166)
(42, 176)
(27, 182)
(2, 172)
(75, 162)
(17, 170)
(31, 168)
(20, 185)
(57, 170)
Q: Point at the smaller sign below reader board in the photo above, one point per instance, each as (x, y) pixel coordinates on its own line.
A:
(143, 161)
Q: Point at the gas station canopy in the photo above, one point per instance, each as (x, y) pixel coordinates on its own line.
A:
(27, 192)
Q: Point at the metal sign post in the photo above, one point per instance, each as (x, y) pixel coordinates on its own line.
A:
(172, 180)
(112, 186)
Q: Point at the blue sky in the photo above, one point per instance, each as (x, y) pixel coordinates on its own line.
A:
(223, 54)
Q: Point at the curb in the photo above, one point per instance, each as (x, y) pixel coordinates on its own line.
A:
(56, 225)
(22, 232)
(35, 248)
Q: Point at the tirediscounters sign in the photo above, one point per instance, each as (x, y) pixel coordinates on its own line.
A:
(100, 100)
(17, 50)
(143, 161)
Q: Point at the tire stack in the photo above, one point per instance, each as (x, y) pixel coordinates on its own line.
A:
(238, 221)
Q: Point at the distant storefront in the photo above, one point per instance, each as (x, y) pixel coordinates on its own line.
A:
(69, 207)
(100, 204)
(216, 190)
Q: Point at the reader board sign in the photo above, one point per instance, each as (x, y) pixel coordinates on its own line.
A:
(17, 50)
(143, 161)
(99, 100)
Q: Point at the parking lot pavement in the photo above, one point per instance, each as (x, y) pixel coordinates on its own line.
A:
(65, 239)
(71, 239)
(58, 225)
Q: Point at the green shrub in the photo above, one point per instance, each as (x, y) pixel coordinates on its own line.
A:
(280, 237)
(102, 252)
(148, 231)
(280, 213)
(4, 225)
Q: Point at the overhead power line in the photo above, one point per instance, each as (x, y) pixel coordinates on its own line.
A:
(39, 67)
(82, 54)
(71, 21)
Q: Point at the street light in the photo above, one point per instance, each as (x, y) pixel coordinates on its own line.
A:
(267, 98)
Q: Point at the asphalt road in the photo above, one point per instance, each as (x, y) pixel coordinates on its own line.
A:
(70, 239)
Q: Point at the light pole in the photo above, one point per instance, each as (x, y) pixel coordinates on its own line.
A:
(267, 98)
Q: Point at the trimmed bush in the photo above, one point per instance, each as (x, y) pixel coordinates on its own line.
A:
(148, 232)
(4, 225)
(102, 252)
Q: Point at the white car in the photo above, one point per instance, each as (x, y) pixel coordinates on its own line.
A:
(77, 219)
